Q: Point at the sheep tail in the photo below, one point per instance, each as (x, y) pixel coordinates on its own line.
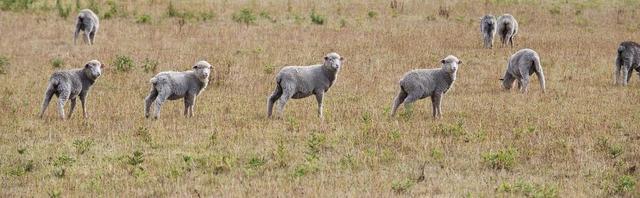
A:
(153, 80)
(621, 49)
(540, 74)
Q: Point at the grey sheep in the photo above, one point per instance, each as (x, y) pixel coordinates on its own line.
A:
(88, 22)
(488, 29)
(507, 29)
(421, 83)
(628, 60)
(302, 81)
(521, 65)
(173, 85)
(69, 84)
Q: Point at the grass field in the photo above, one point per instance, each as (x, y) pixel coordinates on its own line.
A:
(580, 139)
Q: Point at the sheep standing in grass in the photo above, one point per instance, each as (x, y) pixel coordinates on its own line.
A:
(88, 22)
(175, 85)
(302, 81)
(488, 29)
(69, 84)
(421, 83)
(507, 29)
(628, 60)
(521, 65)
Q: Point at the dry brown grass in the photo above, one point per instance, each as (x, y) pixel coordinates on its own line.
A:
(580, 139)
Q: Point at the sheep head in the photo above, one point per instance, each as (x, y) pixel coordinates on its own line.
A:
(333, 61)
(93, 69)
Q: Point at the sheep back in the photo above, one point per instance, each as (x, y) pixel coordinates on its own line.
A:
(304, 80)
(179, 84)
(426, 81)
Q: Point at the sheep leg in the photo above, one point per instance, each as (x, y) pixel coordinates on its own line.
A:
(409, 100)
(319, 97)
(83, 101)
(92, 37)
(62, 98)
(272, 99)
(73, 106)
(511, 40)
(628, 75)
(191, 112)
(188, 103)
(88, 40)
(162, 96)
(47, 98)
(148, 100)
(75, 35)
(525, 84)
(397, 101)
(625, 75)
(436, 100)
(282, 101)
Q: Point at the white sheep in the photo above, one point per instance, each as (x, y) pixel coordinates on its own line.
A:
(421, 83)
(521, 65)
(488, 30)
(69, 84)
(302, 81)
(173, 85)
(507, 29)
(88, 22)
(628, 59)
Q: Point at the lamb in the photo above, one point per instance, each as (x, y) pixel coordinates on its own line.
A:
(521, 65)
(421, 83)
(302, 81)
(628, 60)
(488, 29)
(88, 22)
(173, 85)
(507, 29)
(69, 84)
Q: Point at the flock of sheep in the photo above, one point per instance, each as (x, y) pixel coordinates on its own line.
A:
(295, 82)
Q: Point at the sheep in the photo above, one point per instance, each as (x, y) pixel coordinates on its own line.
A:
(171, 85)
(88, 22)
(302, 81)
(521, 65)
(628, 60)
(421, 83)
(488, 29)
(507, 29)
(69, 84)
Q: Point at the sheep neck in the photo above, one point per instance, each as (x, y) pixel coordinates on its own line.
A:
(87, 75)
(330, 73)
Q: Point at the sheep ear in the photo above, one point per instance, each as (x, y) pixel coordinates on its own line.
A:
(194, 67)
(502, 79)
(326, 58)
(459, 62)
(86, 65)
(341, 58)
(442, 61)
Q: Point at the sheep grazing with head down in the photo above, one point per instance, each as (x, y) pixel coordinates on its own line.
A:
(628, 60)
(488, 29)
(69, 84)
(507, 29)
(302, 81)
(88, 22)
(172, 85)
(421, 83)
(523, 64)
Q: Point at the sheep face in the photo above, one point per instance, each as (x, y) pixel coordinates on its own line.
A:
(450, 64)
(93, 69)
(202, 69)
(333, 61)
